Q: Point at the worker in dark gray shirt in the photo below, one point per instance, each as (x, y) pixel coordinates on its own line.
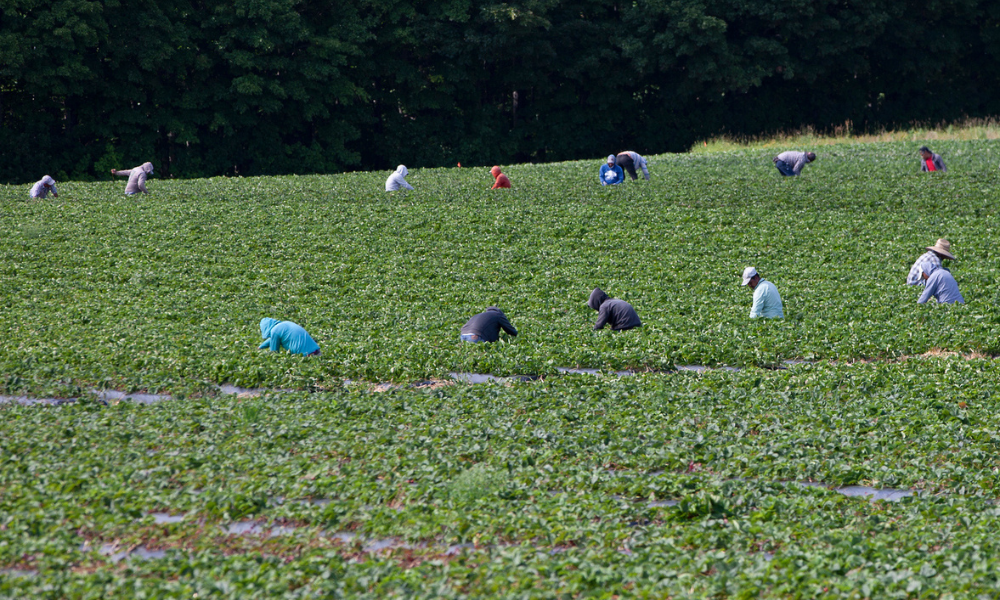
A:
(930, 162)
(486, 326)
(611, 311)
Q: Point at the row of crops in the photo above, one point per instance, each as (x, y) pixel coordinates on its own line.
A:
(164, 292)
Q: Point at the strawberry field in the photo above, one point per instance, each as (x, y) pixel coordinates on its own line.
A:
(868, 472)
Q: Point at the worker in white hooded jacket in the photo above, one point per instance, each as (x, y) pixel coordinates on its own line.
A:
(397, 180)
(43, 186)
(136, 178)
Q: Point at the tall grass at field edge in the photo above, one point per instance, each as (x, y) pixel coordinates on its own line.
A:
(966, 129)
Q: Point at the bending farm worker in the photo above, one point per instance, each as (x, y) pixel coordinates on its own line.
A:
(486, 326)
(790, 162)
(930, 161)
(941, 286)
(766, 301)
(287, 335)
(397, 180)
(928, 261)
(630, 161)
(611, 173)
(136, 178)
(612, 311)
(501, 179)
(42, 188)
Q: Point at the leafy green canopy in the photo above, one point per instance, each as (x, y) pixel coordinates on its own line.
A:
(551, 482)
(300, 86)
(164, 292)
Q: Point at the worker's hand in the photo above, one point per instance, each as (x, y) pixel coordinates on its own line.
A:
(112, 171)
(55, 195)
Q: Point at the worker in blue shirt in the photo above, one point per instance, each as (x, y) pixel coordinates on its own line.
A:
(285, 334)
(611, 173)
(940, 285)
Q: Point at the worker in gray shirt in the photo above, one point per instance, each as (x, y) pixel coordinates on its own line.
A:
(941, 285)
(136, 178)
(486, 326)
(790, 162)
(612, 311)
(930, 162)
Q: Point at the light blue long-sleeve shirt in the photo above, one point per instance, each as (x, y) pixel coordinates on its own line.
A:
(766, 302)
(618, 178)
(942, 286)
(285, 334)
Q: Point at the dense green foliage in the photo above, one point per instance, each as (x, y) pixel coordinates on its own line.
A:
(548, 484)
(164, 292)
(658, 485)
(299, 86)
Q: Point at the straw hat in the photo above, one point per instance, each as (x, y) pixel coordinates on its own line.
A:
(942, 247)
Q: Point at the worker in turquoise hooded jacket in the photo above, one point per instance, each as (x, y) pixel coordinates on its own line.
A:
(285, 334)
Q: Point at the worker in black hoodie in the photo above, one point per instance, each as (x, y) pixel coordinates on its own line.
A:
(611, 311)
(486, 326)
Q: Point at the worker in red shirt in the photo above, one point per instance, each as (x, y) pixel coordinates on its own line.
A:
(502, 181)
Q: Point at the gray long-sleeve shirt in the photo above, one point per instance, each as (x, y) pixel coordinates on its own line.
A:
(397, 180)
(136, 178)
(487, 325)
(42, 187)
(942, 285)
(938, 163)
(795, 159)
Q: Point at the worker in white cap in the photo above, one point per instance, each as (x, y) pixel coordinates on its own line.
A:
(929, 261)
(766, 301)
(611, 173)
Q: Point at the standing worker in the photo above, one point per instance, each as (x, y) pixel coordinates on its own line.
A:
(136, 178)
(501, 179)
(766, 300)
(611, 173)
(629, 161)
(42, 188)
(790, 162)
(397, 180)
(930, 161)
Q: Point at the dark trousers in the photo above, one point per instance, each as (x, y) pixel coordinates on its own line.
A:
(784, 168)
(625, 161)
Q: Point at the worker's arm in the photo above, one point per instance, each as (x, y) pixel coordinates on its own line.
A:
(602, 317)
(930, 290)
(506, 326)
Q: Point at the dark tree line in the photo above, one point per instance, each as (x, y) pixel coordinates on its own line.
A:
(210, 87)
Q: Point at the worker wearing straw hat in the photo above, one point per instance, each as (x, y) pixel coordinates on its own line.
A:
(929, 261)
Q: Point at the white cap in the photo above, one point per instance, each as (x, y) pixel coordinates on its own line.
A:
(611, 158)
(748, 274)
